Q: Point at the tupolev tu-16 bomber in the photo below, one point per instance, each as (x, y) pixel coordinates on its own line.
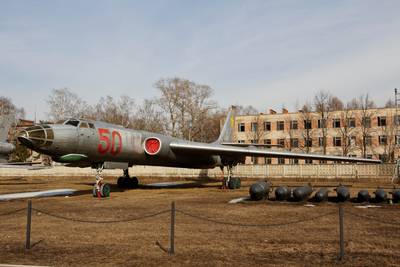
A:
(199, 133)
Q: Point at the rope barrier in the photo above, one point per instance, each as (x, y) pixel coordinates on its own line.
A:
(101, 222)
(12, 212)
(254, 225)
(371, 218)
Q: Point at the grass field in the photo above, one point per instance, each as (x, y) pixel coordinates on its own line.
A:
(198, 242)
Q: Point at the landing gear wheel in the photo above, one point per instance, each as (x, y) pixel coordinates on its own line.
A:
(105, 190)
(121, 182)
(133, 182)
(234, 183)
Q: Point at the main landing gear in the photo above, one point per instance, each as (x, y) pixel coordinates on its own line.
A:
(126, 181)
(231, 182)
(100, 189)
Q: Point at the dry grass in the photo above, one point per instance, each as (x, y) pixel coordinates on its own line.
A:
(59, 242)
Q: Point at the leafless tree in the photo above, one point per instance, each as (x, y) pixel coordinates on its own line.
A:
(347, 130)
(256, 132)
(364, 116)
(64, 104)
(119, 111)
(306, 117)
(322, 103)
(187, 106)
(8, 108)
(149, 117)
(246, 110)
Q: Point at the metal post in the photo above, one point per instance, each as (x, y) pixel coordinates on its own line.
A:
(172, 230)
(28, 225)
(341, 215)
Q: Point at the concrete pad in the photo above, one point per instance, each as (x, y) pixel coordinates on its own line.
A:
(46, 193)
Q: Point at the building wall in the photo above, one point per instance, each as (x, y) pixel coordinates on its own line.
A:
(354, 135)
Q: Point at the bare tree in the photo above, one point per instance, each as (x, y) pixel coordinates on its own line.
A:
(306, 117)
(347, 131)
(187, 106)
(64, 104)
(256, 132)
(246, 110)
(8, 108)
(115, 111)
(364, 116)
(323, 107)
(149, 117)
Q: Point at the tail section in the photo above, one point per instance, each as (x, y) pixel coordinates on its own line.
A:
(226, 135)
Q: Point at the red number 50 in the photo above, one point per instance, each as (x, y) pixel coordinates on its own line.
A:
(107, 144)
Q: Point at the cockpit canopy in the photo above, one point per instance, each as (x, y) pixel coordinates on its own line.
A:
(79, 123)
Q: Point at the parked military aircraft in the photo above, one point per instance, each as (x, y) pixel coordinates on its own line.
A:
(83, 143)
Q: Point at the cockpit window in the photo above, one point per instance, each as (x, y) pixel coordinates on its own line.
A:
(91, 125)
(83, 125)
(72, 122)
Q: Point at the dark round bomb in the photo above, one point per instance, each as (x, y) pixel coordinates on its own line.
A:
(282, 193)
(380, 195)
(321, 195)
(363, 196)
(302, 193)
(396, 195)
(259, 190)
(342, 193)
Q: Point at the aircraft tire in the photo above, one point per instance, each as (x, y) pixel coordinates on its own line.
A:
(105, 190)
(121, 182)
(133, 182)
(234, 183)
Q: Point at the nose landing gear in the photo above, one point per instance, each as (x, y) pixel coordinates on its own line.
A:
(100, 189)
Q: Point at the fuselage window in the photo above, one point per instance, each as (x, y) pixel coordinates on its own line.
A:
(83, 125)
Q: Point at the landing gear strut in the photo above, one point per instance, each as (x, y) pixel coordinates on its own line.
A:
(231, 182)
(126, 181)
(100, 189)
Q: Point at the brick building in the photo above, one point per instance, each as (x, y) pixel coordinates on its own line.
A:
(368, 133)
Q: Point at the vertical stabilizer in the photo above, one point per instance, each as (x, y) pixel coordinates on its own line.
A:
(226, 135)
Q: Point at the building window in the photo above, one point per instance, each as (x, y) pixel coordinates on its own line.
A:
(294, 142)
(366, 122)
(382, 121)
(280, 125)
(267, 126)
(351, 123)
(253, 160)
(268, 160)
(308, 161)
(368, 140)
(241, 127)
(320, 141)
(382, 140)
(254, 126)
(267, 141)
(396, 119)
(281, 161)
(397, 139)
(253, 141)
(369, 156)
(281, 142)
(293, 125)
(294, 161)
(352, 156)
(241, 141)
(322, 162)
(337, 141)
(307, 124)
(336, 123)
(321, 123)
(308, 142)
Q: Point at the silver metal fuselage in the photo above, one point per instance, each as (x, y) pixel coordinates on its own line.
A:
(112, 143)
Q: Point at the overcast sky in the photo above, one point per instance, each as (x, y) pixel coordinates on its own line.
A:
(261, 53)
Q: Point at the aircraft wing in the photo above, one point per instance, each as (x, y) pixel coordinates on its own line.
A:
(233, 151)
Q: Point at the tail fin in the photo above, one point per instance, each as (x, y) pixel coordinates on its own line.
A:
(226, 134)
(5, 122)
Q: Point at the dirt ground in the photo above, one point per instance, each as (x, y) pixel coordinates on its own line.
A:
(313, 242)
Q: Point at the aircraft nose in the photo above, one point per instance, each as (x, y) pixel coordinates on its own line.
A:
(36, 136)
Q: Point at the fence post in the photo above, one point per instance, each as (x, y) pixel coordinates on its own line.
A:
(28, 225)
(341, 232)
(172, 230)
